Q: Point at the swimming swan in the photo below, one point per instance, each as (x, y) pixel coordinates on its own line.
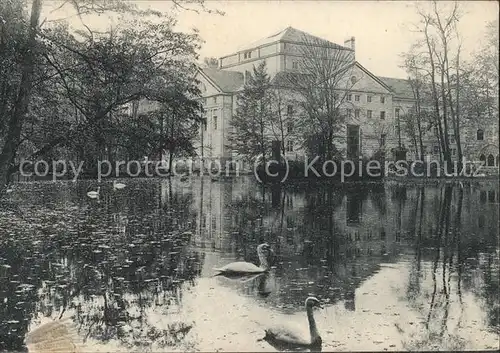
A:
(242, 267)
(283, 338)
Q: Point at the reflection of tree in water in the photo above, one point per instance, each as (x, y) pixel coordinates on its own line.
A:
(73, 260)
(300, 224)
(452, 246)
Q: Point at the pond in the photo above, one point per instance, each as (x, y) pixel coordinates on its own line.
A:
(396, 266)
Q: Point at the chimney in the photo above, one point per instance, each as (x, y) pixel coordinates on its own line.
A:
(350, 43)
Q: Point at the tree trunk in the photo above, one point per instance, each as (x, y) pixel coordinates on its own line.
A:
(20, 109)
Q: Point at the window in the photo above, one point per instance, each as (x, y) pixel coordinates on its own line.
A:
(215, 122)
(289, 110)
(480, 135)
(289, 127)
(214, 222)
(349, 97)
(349, 112)
(491, 161)
(214, 99)
(369, 114)
(396, 112)
(436, 149)
(356, 97)
(396, 129)
(482, 158)
(368, 99)
(382, 139)
(382, 115)
(453, 151)
(295, 65)
(336, 96)
(244, 55)
(452, 139)
(356, 113)
(436, 131)
(205, 125)
(382, 100)
(289, 146)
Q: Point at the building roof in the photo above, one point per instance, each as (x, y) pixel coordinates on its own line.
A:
(227, 81)
(290, 34)
(400, 87)
(285, 79)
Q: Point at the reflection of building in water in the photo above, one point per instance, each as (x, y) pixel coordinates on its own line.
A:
(368, 226)
(213, 206)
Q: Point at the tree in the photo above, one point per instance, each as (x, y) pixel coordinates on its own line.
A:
(435, 60)
(250, 134)
(322, 86)
(211, 62)
(80, 80)
(285, 122)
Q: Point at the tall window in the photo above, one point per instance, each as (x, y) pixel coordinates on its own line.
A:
(382, 99)
(215, 99)
(289, 146)
(349, 97)
(356, 113)
(289, 110)
(289, 127)
(295, 65)
(349, 112)
(396, 112)
(491, 161)
(369, 114)
(215, 122)
(382, 115)
(368, 99)
(480, 135)
(382, 139)
(356, 97)
(436, 149)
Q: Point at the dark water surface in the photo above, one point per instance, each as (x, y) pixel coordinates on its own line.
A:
(399, 267)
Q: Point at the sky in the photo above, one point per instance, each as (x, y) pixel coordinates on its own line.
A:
(382, 28)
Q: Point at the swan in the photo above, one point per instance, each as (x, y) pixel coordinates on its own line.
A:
(94, 194)
(282, 337)
(118, 186)
(56, 336)
(242, 267)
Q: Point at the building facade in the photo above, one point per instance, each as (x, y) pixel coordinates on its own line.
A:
(373, 105)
